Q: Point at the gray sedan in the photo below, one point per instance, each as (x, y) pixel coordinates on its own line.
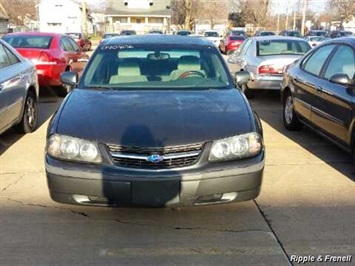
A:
(265, 59)
(18, 91)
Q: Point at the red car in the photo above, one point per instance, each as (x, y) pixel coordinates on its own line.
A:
(81, 40)
(230, 43)
(52, 54)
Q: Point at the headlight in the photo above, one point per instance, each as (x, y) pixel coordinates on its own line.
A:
(238, 147)
(69, 148)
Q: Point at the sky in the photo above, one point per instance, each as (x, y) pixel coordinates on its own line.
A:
(280, 6)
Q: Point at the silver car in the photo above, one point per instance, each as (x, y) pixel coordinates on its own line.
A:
(18, 91)
(265, 59)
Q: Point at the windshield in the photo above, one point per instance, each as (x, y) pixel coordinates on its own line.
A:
(211, 34)
(157, 67)
(279, 47)
(74, 35)
(28, 41)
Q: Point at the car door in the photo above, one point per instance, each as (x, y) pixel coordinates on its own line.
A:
(12, 87)
(306, 80)
(238, 59)
(76, 59)
(332, 111)
(80, 58)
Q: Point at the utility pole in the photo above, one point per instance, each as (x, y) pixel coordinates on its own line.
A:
(304, 8)
(278, 23)
(286, 22)
(84, 27)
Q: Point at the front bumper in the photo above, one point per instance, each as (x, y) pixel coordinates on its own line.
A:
(75, 183)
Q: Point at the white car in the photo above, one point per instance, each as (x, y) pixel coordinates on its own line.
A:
(213, 36)
(315, 40)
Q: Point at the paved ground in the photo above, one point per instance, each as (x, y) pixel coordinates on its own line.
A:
(306, 208)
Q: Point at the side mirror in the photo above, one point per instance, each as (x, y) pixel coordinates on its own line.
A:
(241, 78)
(69, 78)
(342, 79)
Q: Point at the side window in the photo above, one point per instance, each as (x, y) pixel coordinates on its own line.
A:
(245, 47)
(343, 61)
(315, 62)
(74, 44)
(7, 58)
(65, 44)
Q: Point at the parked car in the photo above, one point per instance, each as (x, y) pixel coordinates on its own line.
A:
(265, 58)
(213, 36)
(340, 33)
(237, 33)
(318, 91)
(128, 32)
(183, 32)
(108, 35)
(265, 33)
(83, 41)
(230, 43)
(133, 133)
(291, 33)
(18, 91)
(315, 40)
(156, 32)
(321, 33)
(52, 53)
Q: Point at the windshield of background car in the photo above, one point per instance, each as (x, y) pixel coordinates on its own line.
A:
(28, 41)
(280, 47)
(75, 36)
(211, 34)
(155, 67)
(294, 34)
(236, 38)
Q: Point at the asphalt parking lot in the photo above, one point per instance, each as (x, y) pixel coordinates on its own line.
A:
(306, 210)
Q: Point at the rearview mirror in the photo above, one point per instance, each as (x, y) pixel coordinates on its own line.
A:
(241, 78)
(342, 79)
(69, 78)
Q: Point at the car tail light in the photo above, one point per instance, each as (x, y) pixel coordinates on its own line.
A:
(46, 59)
(271, 69)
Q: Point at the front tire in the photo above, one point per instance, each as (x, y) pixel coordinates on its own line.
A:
(29, 119)
(290, 119)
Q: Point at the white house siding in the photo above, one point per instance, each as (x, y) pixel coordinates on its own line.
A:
(60, 16)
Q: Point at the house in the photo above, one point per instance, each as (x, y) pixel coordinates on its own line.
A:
(62, 16)
(138, 15)
(4, 21)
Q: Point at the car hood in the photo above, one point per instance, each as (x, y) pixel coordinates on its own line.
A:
(154, 118)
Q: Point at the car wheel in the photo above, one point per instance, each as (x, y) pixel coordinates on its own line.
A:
(29, 119)
(247, 92)
(290, 119)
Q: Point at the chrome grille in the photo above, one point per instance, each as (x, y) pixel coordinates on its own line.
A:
(174, 156)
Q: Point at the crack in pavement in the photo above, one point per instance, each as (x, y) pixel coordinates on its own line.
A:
(273, 232)
(192, 228)
(27, 172)
(137, 223)
(13, 183)
(45, 206)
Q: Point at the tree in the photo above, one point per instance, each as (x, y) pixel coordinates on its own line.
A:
(20, 11)
(344, 9)
(253, 11)
(185, 12)
(213, 11)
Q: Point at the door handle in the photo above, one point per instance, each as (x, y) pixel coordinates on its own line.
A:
(319, 89)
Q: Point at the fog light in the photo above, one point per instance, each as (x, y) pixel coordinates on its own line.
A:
(209, 198)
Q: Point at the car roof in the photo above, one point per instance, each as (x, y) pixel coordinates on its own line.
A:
(276, 37)
(350, 40)
(157, 39)
(35, 33)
